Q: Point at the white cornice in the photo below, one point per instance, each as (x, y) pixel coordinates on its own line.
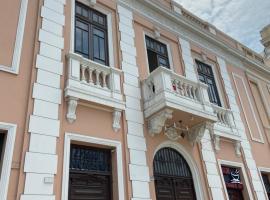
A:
(177, 24)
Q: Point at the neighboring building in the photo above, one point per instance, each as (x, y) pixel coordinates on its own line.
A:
(129, 100)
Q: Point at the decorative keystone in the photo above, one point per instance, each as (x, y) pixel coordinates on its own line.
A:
(72, 106)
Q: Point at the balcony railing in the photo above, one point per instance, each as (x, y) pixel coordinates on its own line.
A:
(225, 125)
(169, 97)
(92, 82)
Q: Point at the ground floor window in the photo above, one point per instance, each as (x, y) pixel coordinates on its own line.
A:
(90, 173)
(266, 182)
(173, 178)
(233, 182)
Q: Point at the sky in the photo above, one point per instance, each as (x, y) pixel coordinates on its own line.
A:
(241, 19)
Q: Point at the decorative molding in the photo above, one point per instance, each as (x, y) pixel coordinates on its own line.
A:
(172, 134)
(216, 140)
(196, 133)
(72, 106)
(14, 68)
(92, 2)
(69, 138)
(237, 147)
(177, 24)
(157, 121)
(7, 157)
(116, 120)
(261, 140)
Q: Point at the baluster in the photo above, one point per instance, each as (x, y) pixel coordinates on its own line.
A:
(189, 91)
(177, 87)
(194, 93)
(97, 77)
(104, 84)
(90, 73)
(224, 117)
(83, 68)
(185, 89)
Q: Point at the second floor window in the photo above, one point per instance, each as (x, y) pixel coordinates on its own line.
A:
(206, 76)
(266, 182)
(157, 54)
(91, 40)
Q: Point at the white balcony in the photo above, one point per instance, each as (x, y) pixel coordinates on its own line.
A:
(93, 84)
(225, 127)
(170, 98)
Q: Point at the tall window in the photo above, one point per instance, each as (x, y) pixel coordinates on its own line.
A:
(91, 40)
(266, 182)
(157, 54)
(206, 76)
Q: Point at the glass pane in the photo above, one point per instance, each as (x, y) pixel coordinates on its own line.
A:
(96, 47)
(85, 12)
(99, 33)
(95, 17)
(163, 61)
(85, 42)
(102, 48)
(78, 10)
(78, 39)
(81, 25)
(101, 20)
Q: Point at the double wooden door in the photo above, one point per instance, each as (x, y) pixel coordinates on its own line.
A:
(173, 178)
(174, 188)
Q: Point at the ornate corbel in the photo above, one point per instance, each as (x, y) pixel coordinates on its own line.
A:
(216, 140)
(157, 122)
(237, 147)
(116, 120)
(72, 105)
(196, 132)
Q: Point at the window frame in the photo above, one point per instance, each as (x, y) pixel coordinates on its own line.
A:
(10, 131)
(110, 34)
(216, 83)
(243, 171)
(146, 33)
(266, 171)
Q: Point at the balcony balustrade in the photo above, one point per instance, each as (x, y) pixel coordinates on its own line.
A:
(93, 84)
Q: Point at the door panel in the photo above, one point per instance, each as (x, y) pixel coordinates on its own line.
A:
(89, 187)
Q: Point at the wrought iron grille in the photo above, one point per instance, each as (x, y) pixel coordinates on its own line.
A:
(169, 162)
(90, 159)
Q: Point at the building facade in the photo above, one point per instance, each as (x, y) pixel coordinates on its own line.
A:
(126, 99)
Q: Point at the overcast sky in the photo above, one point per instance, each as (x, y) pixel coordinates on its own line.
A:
(241, 19)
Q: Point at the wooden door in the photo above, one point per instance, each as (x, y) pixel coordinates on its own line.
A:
(173, 178)
(90, 174)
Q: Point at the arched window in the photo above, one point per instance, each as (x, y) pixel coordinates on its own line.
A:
(173, 178)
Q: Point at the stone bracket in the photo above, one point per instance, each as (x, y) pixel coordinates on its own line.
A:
(72, 106)
(116, 120)
(196, 133)
(157, 121)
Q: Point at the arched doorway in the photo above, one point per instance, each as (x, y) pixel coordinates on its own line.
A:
(173, 178)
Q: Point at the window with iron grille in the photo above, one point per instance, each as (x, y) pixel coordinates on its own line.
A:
(91, 40)
(206, 76)
(86, 159)
(266, 182)
(157, 54)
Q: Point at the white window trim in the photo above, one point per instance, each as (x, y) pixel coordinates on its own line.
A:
(238, 165)
(109, 28)
(15, 65)
(266, 170)
(69, 137)
(191, 163)
(162, 41)
(214, 69)
(7, 158)
(261, 140)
